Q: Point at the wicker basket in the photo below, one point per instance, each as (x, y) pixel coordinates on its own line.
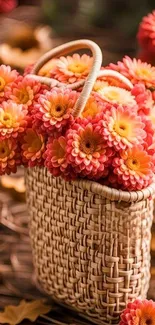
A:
(91, 243)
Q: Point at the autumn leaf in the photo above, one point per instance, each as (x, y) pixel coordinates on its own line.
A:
(25, 310)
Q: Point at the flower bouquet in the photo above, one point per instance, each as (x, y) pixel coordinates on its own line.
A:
(85, 135)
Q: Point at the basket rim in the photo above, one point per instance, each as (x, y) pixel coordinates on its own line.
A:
(103, 190)
(115, 194)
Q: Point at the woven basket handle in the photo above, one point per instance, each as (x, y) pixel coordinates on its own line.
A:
(89, 82)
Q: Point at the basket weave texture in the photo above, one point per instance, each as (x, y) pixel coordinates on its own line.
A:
(91, 251)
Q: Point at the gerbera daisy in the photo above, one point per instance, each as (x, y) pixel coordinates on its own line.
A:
(116, 95)
(25, 92)
(72, 68)
(48, 69)
(136, 71)
(7, 76)
(33, 147)
(56, 158)
(13, 119)
(139, 313)
(87, 151)
(9, 156)
(143, 98)
(146, 33)
(92, 108)
(122, 128)
(134, 168)
(53, 110)
(99, 85)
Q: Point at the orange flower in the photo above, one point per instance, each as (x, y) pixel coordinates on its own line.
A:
(134, 168)
(139, 313)
(122, 128)
(92, 108)
(48, 68)
(6, 78)
(53, 110)
(9, 156)
(25, 92)
(12, 119)
(33, 146)
(136, 71)
(73, 68)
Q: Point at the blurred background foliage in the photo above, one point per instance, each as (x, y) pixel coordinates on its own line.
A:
(123, 15)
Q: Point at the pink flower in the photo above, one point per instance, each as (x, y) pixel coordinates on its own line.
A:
(122, 128)
(9, 156)
(146, 33)
(72, 68)
(87, 151)
(53, 111)
(13, 119)
(56, 158)
(7, 77)
(33, 147)
(143, 98)
(133, 168)
(7, 5)
(139, 313)
(25, 92)
(136, 71)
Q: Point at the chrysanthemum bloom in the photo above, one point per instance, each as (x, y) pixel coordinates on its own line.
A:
(53, 110)
(7, 76)
(9, 156)
(28, 69)
(25, 92)
(33, 147)
(136, 71)
(7, 5)
(87, 151)
(122, 128)
(143, 98)
(134, 168)
(99, 85)
(48, 69)
(146, 33)
(92, 108)
(149, 129)
(139, 313)
(56, 158)
(116, 95)
(73, 68)
(13, 119)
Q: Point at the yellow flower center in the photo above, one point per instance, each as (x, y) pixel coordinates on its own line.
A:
(144, 73)
(122, 128)
(112, 95)
(2, 84)
(57, 110)
(133, 163)
(7, 120)
(77, 67)
(23, 96)
(4, 151)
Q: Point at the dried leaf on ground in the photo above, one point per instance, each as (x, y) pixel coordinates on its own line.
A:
(13, 315)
